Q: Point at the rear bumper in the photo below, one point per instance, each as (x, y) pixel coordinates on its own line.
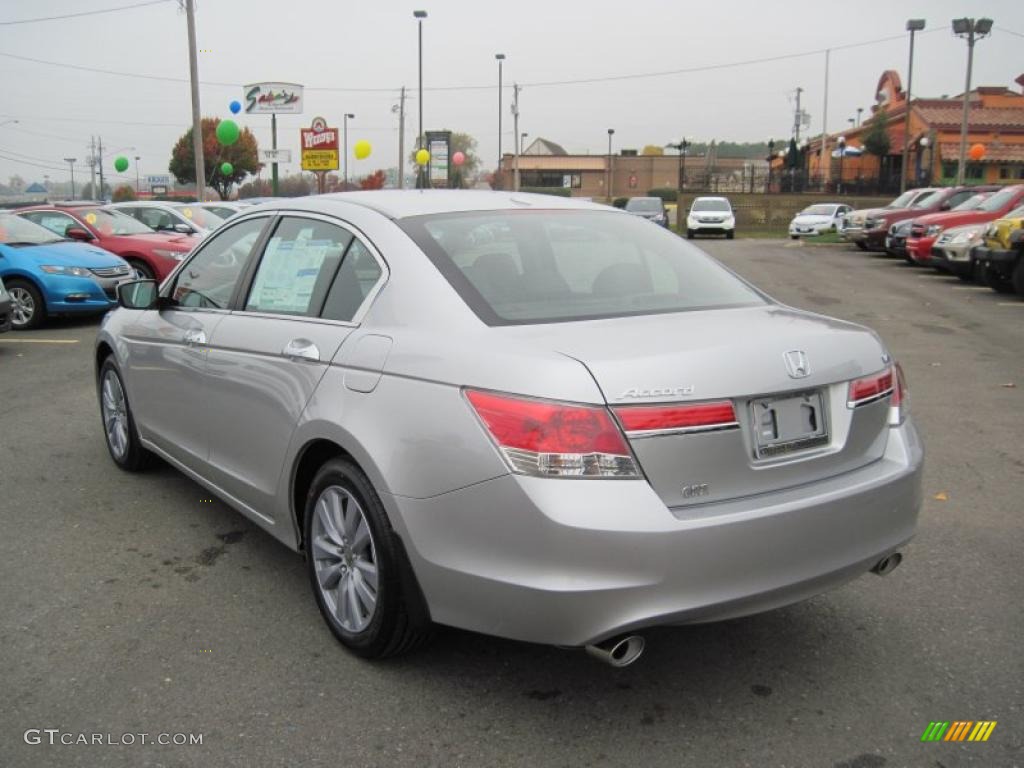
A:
(569, 562)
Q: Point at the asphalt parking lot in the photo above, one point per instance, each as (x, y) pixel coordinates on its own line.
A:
(135, 603)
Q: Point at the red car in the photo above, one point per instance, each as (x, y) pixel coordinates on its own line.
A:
(924, 231)
(151, 254)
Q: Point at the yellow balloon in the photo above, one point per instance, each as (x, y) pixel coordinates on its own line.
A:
(422, 157)
(363, 149)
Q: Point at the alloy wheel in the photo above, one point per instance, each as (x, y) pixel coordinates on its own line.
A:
(23, 306)
(115, 414)
(344, 558)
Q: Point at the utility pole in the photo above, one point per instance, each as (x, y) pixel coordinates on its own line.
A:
(501, 60)
(798, 116)
(515, 121)
(197, 123)
(401, 139)
(825, 163)
(92, 166)
(71, 164)
(99, 162)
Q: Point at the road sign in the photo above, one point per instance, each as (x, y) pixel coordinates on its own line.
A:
(159, 180)
(275, 155)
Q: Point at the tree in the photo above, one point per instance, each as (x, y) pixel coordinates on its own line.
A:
(652, 149)
(123, 194)
(876, 139)
(464, 143)
(374, 181)
(243, 155)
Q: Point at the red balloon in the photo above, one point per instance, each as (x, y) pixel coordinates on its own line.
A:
(458, 158)
(976, 152)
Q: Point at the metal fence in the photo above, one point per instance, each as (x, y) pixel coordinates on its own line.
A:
(755, 179)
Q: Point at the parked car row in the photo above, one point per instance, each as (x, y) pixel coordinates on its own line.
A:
(973, 232)
(68, 258)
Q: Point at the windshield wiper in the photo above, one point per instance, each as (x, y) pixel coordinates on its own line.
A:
(17, 243)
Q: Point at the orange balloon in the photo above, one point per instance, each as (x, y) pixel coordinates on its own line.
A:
(976, 152)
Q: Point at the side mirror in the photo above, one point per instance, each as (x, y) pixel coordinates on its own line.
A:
(138, 294)
(183, 229)
(77, 233)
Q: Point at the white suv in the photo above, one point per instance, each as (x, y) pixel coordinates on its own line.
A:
(711, 215)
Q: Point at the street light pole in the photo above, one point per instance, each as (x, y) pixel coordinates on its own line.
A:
(348, 115)
(400, 109)
(136, 174)
(913, 25)
(972, 29)
(71, 164)
(522, 138)
(771, 157)
(515, 124)
(420, 173)
(841, 144)
(611, 177)
(501, 60)
(197, 123)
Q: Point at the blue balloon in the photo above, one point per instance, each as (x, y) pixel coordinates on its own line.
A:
(235, 107)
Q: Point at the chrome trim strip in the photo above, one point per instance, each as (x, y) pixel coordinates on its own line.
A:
(642, 433)
(869, 400)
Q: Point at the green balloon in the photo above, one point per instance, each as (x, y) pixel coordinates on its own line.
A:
(227, 169)
(227, 132)
(121, 164)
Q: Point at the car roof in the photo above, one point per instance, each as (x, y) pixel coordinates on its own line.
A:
(399, 203)
(710, 197)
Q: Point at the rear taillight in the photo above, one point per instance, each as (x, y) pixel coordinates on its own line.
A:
(643, 420)
(553, 439)
(889, 383)
(870, 388)
(898, 406)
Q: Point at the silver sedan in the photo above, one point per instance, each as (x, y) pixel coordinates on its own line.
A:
(521, 415)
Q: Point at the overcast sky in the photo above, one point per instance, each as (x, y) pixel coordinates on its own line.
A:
(372, 45)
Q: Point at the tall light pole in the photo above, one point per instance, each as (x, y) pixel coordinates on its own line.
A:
(859, 111)
(913, 25)
(972, 29)
(515, 132)
(348, 116)
(71, 165)
(420, 172)
(841, 144)
(611, 132)
(501, 60)
(197, 123)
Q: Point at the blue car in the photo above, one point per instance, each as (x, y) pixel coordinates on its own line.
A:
(46, 274)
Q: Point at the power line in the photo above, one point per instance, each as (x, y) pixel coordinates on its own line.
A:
(83, 13)
(1009, 31)
(537, 84)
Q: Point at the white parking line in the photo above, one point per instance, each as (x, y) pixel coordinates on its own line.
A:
(39, 341)
(971, 288)
(1010, 303)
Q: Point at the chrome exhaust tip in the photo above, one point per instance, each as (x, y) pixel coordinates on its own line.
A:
(887, 564)
(618, 651)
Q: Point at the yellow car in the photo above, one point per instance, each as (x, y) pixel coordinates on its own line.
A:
(1001, 259)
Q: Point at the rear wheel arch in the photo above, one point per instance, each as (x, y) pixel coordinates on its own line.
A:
(313, 455)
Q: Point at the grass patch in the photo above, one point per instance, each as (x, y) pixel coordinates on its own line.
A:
(829, 238)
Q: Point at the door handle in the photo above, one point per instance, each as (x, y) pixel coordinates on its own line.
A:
(301, 349)
(194, 337)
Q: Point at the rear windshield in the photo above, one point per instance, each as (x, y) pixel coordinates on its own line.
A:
(523, 267)
(710, 205)
(645, 204)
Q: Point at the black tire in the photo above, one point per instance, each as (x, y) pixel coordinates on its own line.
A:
(1018, 277)
(145, 272)
(964, 277)
(689, 234)
(730, 234)
(794, 237)
(861, 244)
(25, 294)
(400, 621)
(133, 457)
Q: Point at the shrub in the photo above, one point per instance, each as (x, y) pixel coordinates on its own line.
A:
(123, 194)
(556, 191)
(620, 202)
(667, 194)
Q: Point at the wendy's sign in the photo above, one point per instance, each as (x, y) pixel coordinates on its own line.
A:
(273, 98)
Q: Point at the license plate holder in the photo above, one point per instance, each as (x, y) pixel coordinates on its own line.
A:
(788, 424)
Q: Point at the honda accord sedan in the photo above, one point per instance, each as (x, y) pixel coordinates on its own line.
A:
(516, 414)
